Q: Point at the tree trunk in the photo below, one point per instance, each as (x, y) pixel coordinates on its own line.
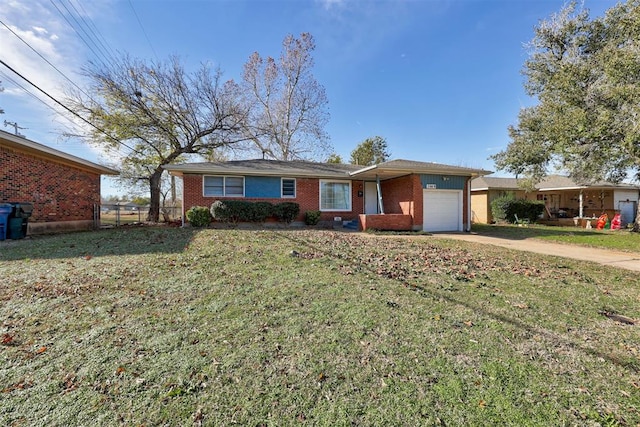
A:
(636, 223)
(154, 187)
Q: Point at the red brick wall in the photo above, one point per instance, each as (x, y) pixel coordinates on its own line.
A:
(403, 196)
(58, 192)
(396, 222)
(307, 196)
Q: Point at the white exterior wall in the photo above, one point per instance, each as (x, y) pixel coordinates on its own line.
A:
(624, 195)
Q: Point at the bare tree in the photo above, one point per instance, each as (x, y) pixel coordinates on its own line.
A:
(288, 106)
(154, 114)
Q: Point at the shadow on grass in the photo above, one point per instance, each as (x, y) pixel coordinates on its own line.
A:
(532, 329)
(512, 232)
(107, 242)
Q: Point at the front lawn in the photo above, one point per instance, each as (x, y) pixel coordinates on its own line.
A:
(162, 326)
(622, 240)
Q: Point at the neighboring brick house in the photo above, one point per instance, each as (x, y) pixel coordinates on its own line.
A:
(395, 195)
(64, 189)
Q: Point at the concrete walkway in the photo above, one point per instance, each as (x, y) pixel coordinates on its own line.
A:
(626, 260)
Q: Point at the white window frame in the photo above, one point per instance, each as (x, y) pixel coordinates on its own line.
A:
(224, 186)
(335, 181)
(295, 192)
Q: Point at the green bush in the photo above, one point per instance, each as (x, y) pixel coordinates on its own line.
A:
(261, 211)
(505, 209)
(500, 206)
(241, 211)
(311, 217)
(286, 211)
(198, 216)
(525, 209)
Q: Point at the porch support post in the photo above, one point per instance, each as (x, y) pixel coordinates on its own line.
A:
(379, 191)
(580, 206)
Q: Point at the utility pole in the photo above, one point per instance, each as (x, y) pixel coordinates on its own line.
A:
(15, 127)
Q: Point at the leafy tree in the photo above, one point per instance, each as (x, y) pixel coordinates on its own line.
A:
(586, 77)
(334, 158)
(371, 151)
(288, 107)
(155, 114)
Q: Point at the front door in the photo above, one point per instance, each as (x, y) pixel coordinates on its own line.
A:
(370, 198)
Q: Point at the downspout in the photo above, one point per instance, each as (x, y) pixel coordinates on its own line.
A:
(469, 204)
(182, 202)
(379, 191)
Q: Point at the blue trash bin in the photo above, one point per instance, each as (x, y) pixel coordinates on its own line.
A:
(19, 220)
(5, 211)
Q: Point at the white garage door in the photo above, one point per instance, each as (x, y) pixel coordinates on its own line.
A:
(442, 210)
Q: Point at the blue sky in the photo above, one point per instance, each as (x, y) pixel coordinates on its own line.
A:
(440, 80)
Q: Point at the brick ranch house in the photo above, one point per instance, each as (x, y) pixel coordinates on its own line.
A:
(395, 195)
(64, 189)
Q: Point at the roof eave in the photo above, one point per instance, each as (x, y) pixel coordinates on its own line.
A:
(32, 147)
(253, 172)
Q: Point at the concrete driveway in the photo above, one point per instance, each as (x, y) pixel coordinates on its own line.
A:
(626, 260)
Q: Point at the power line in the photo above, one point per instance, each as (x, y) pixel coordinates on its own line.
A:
(143, 31)
(92, 39)
(78, 33)
(26, 90)
(97, 32)
(43, 58)
(68, 109)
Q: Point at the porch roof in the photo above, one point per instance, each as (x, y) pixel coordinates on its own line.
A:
(400, 167)
(550, 183)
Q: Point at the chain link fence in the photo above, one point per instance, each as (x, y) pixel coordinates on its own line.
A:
(116, 215)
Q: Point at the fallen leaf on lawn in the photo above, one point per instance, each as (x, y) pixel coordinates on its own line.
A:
(120, 370)
(88, 257)
(41, 350)
(7, 339)
(482, 403)
(468, 323)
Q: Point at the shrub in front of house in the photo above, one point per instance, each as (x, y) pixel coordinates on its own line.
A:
(505, 209)
(311, 217)
(230, 211)
(198, 216)
(525, 209)
(499, 207)
(286, 211)
(235, 211)
(260, 211)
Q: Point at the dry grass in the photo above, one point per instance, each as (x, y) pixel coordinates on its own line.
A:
(159, 326)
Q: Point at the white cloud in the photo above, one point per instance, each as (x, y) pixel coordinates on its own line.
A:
(37, 28)
(328, 4)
